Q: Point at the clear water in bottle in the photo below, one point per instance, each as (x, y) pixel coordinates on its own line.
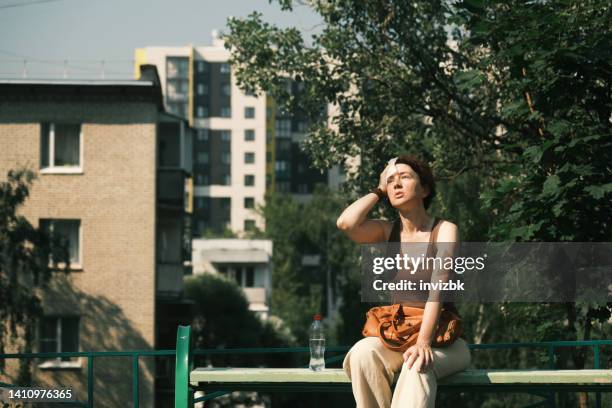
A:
(317, 354)
(317, 344)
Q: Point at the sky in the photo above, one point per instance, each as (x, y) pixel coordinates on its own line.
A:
(46, 33)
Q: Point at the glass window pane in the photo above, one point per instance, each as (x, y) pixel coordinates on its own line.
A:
(69, 230)
(48, 335)
(249, 135)
(249, 225)
(250, 274)
(44, 145)
(226, 158)
(70, 335)
(67, 144)
(238, 272)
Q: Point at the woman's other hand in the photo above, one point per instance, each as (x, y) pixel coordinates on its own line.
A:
(420, 355)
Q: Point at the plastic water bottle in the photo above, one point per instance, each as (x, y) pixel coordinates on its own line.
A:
(317, 344)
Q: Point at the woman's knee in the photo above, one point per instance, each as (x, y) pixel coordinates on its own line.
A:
(364, 353)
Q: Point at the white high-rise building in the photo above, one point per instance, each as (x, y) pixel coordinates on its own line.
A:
(243, 145)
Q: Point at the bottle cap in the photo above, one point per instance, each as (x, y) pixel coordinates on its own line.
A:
(317, 317)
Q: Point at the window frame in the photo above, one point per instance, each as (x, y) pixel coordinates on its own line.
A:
(52, 168)
(245, 180)
(57, 362)
(249, 157)
(76, 266)
(249, 109)
(250, 200)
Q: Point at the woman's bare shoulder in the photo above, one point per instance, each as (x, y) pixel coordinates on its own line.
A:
(448, 232)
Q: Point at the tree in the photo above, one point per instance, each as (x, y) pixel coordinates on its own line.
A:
(25, 269)
(222, 317)
(300, 229)
(512, 96)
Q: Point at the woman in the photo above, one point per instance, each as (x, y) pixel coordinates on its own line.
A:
(410, 187)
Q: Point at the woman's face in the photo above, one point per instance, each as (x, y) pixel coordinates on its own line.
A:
(404, 186)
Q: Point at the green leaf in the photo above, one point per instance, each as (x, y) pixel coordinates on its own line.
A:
(534, 153)
(551, 186)
(598, 192)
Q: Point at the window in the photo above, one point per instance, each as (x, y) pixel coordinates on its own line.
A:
(249, 225)
(249, 158)
(202, 89)
(249, 180)
(283, 146)
(60, 146)
(203, 157)
(283, 128)
(200, 111)
(227, 180)
(282, 166)
(249, 135)
(177, 67)
(226, 89)
(199, 180)
(250, 273)
(59, 334)
(201, 67)
(68, 234)
(226, 112)
(282, 186)
(249, 112)
(268, 156)
(302, 188)
(249, 202)
(203, 135)
(225, 68)
(200, 202)
(226, 158)
(226, 135)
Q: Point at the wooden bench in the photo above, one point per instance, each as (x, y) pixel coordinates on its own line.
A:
(219, 380)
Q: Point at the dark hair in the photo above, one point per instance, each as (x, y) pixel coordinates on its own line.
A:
(426, 177)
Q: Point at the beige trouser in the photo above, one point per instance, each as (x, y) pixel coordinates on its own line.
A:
(372, 367)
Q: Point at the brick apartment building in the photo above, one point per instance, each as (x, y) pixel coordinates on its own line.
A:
(112, 171)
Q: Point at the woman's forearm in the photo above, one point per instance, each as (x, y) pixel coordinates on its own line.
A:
(357, 212)
(431, 314)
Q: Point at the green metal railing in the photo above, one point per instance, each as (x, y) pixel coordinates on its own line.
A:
(136, 355)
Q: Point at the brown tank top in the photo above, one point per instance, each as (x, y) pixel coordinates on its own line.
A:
(422, 273)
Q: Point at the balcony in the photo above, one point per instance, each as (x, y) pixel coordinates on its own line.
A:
(171, 188)
(169, 279)
(255, 295)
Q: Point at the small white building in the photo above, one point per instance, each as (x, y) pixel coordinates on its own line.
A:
(248, 261)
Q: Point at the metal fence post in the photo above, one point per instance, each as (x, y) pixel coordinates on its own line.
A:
(90, 379)
(135, 380)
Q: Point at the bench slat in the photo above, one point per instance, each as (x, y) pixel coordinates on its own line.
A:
(337, 375)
